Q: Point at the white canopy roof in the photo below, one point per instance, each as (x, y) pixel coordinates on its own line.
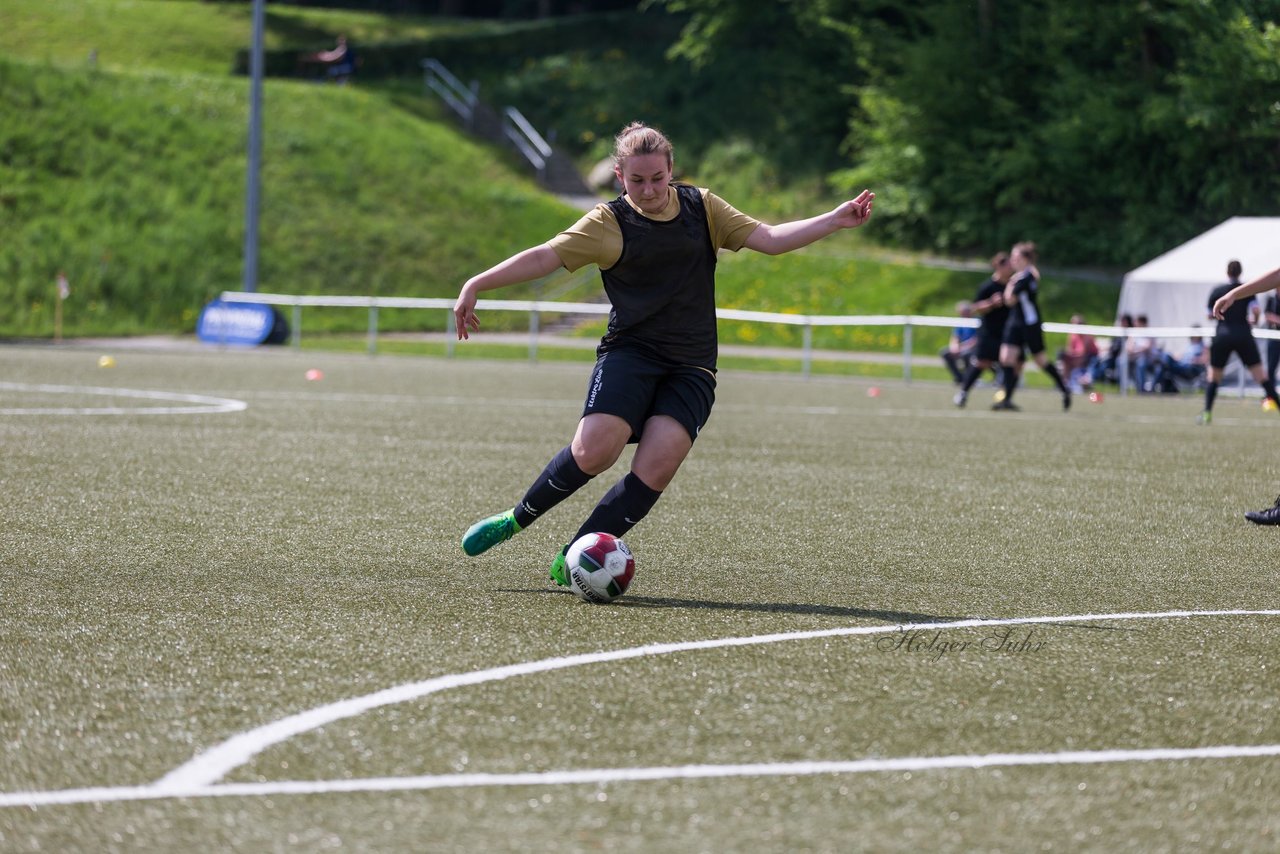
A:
(1173, 289)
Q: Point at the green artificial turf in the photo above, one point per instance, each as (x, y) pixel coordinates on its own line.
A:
(172, 580)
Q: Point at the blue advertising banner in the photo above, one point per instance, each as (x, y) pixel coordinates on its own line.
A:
(242, 324)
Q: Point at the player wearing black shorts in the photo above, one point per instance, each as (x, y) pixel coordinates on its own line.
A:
(654, 379)
(988, 304)
(1023, 329)
(1234, 335)
(1220, 309)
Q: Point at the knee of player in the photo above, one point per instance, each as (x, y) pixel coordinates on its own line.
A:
(594, 455)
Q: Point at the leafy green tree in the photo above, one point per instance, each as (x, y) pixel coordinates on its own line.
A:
(775, 74)
(1106, 131)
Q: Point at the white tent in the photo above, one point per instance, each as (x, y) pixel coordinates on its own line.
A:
(1173, 289)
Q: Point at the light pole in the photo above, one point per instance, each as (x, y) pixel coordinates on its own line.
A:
(255, 152)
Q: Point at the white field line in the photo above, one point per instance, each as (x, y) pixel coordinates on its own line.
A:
(214, 764)
(201, 404)
(976, 410)
(600, 776)
(199, 776)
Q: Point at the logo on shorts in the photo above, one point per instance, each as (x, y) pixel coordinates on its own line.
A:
(596, 383)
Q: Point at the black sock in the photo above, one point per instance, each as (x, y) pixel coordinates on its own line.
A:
(621, 508)
(1270, 388)
(1052, 370)
(1010, 382)
(971, 378)
(560, 479)
(1210, 392)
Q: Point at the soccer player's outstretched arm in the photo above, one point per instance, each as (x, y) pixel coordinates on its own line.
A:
(777, 239)
(1265, 282)
(532, 263)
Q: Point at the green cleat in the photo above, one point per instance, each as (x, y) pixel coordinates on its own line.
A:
(558, 569)
(1205, 419)
(487, 533)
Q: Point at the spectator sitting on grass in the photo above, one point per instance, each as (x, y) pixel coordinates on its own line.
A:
(1078, 356)
(958, 353)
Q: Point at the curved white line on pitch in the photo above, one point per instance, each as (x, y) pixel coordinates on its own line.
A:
(634, 775)
(214, 764)
(201, 404)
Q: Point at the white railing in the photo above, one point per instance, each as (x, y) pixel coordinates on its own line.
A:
(526, 140)
(461, 99)
(807, 321)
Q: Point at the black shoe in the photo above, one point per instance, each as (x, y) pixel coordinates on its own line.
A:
(1006, 405)
(1066, 401)
(1270, 516)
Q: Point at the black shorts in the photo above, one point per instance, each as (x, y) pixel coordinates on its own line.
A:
(1224, 344)
(988, 349)
(635, 386)
(1030, 337)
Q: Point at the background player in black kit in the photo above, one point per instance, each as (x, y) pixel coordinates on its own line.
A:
(1234, 335)
(1220, 307)
(654, 380)
(988, 304)
(1024, 327)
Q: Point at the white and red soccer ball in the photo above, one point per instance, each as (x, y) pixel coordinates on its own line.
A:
(599, 567)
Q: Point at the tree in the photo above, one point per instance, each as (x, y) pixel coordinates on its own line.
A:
(1104, 131)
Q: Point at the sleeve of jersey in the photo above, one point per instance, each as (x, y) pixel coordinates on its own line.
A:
(729, 227)
(594, 239)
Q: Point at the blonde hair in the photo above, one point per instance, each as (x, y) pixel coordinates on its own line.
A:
(639, 138)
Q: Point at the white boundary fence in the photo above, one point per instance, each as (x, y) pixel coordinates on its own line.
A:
(535, 308)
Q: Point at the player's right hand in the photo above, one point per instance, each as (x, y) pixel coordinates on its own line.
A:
(464, 314)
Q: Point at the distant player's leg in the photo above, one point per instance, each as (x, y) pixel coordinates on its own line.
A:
(1268, 387)
(1009, 362)
(971, 377)
(1220, 351)
(1252, 358)
(986, 355)
(1051, 369)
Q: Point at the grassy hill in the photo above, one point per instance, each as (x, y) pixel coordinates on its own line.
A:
(133, 183)
(129, 175)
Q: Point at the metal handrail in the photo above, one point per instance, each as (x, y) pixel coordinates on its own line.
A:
(526, 139)
(462, 99)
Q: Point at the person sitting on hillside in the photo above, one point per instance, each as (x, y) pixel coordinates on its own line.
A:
(340, 62)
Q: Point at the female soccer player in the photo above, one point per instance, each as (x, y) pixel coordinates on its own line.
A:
(1265, 282)
(1234, 335)
(1024, 327)
(989, 305)
(655, 375)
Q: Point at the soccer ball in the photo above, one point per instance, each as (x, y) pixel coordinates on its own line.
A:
(600, 567)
